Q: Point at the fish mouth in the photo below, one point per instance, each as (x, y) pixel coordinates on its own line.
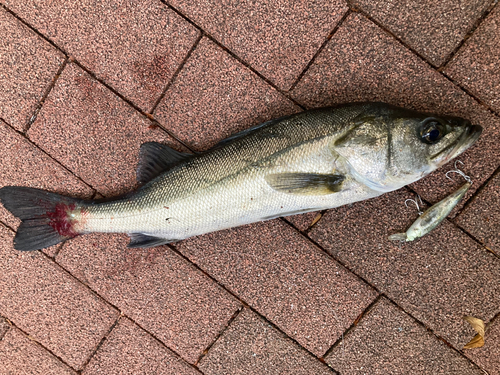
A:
(466, 140)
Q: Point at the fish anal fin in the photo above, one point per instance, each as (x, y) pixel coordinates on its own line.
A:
(143, 240)
(305, 183)
(156, 158)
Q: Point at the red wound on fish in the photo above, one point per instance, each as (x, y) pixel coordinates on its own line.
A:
(60, 220)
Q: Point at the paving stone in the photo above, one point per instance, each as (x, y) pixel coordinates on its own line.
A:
(21, 356)
(488, 357)
(215, 96)
(482, 217)
(284, 277)
(275, 38)
(475, 66)
(158, 289)
(388, 341)
(4, 327)
(252, 346)
(51, 306)
(93, 132)
(133, 46)
(433, 28)
(303, 221)
(24, 164)
(363, 63)
(27, 66)
(437, 279)
(130, 350)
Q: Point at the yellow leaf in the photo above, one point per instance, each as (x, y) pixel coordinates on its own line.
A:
(476, 342)
(478, 325)
(316, 219)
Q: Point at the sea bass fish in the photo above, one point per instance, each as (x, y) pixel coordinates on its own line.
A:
(309, 161)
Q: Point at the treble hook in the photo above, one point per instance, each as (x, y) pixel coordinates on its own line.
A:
(416, 204)
(458, 171)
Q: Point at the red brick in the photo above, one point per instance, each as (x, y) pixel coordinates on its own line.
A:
(130, 350)
(93, 132)
(27, 66)
(303, 221)
(475, 66)
(158, 289)
(21, 356)
(215, 96)
(286, 278)
(362, 63)
(252, 346)
(482, 217)
(275, 38)
(4, 327)
(388, 341)
(133, 46)
(437, 279)
(50, 305)
(24, 164)
(433, 28)
(488, 357)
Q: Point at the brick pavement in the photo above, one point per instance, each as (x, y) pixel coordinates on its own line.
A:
(83, 84)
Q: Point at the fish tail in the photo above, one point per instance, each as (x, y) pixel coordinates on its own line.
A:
(47, 218)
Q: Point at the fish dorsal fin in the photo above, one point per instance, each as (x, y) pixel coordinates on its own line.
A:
(143, 240)
(156, 158)
(305, 183)
(245, 132)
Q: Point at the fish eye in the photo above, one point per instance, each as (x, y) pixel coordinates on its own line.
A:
(431, 131)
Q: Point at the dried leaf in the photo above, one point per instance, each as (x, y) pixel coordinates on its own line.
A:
(476, 342)
(478, 325)
(316, 219)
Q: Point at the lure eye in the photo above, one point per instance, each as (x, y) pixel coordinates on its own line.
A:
(432, 132)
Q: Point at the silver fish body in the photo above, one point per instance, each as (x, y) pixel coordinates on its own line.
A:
(310, 161)
(433, 216)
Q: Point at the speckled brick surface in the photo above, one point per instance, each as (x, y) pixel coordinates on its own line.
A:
(51, 306)
(286, 278)
(433, 28)
(215, 96)
(28, 64)
(155, 287)
(488, 357)
(363, 63)
(133, 46)
(4, 327)
(437, 279)
(21, 356)
(276, 38)
(303, 221)
(476, 65)
(388, 341)
(252, 346)
(139, 352)
(93, 133)
(482, 217)
(23, 164)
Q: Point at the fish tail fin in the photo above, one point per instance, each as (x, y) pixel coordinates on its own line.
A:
(45, 216)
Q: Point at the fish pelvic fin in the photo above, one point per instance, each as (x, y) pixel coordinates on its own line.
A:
(46, 217)
(143, 240)
(305, 183)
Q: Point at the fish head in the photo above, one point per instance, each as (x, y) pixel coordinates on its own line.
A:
(390, 147)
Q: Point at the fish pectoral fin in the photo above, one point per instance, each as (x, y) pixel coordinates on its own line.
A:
(156, 158)
(305, 183)
(143, 240)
